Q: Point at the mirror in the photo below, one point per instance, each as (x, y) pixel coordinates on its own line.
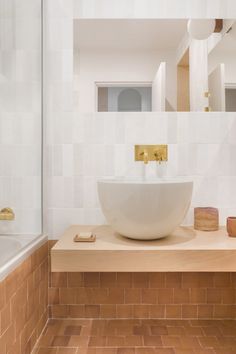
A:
(222, 71)
(127, 65)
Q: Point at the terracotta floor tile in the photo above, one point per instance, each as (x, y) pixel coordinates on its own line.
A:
(184, 351)
(72, 330)
(164, 351)
(133, 341)
(78, 341)
(66, 351)
(188, 342)
(45, 341)
(159, 330)
(209, 342)
(60, 341)
(99, 351)
(225, 351)
(175, 330)
(194, 331)
(205, 351)
(115, 341)
(47, 351)
(144, 351)
(99, 341)
(135, 336)
(125, 350)
(171, 341)
(142, 330)
(152, 341)
(212, 331)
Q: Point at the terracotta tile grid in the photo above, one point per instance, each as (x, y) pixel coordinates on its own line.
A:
(142, 295)
(142, 312)
(174, 280)
(24, 304)
(68, 336)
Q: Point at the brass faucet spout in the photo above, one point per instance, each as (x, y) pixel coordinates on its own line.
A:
(145, 157)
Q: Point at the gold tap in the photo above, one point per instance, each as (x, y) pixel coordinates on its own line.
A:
(145, 157)
(158, 157)
(147, 153)
(7, 214)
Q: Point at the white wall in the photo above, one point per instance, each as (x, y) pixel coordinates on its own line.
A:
(159, 97)
(198, 75)
(81, 147)
(123, 66)
(20, 114)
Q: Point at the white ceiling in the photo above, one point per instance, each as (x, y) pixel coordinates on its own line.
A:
(128, 34)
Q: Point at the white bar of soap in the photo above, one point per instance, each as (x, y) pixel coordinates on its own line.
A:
(85, 235)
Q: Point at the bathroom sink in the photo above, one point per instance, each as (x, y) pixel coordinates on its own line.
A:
(144, 210)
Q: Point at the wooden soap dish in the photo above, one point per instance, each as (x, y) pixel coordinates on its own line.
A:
(79, 238)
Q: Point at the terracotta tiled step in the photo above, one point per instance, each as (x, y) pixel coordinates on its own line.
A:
(68, 336)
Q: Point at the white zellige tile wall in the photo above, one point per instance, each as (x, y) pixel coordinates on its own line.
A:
(201, 146)
(80, 148)
(20, 114)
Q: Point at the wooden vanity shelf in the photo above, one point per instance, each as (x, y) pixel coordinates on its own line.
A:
(186, 250)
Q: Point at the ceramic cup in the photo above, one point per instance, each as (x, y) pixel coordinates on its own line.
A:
(231, 226)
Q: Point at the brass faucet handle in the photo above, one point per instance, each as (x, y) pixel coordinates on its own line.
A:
(7, 214)
(158, 157)
(145, 157)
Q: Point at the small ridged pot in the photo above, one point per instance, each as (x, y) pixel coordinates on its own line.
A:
(231, 226)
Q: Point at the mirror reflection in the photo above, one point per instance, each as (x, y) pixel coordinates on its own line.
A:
(222, 71)
(126, 65)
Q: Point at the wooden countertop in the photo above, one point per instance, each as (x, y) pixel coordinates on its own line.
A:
(185, 250)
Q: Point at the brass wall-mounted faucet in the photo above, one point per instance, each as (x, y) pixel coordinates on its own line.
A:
(7, 214)
(147, 153)
(145, 156)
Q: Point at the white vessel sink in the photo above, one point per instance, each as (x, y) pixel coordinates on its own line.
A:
(144, 210)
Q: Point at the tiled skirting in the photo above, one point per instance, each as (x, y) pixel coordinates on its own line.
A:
(24, 304)
(143, 295)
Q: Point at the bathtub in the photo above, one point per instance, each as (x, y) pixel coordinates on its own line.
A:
(16, 248)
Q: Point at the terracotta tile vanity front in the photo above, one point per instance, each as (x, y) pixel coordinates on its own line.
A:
(143, 295)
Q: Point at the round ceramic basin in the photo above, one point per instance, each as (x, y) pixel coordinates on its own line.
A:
(144, 210)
